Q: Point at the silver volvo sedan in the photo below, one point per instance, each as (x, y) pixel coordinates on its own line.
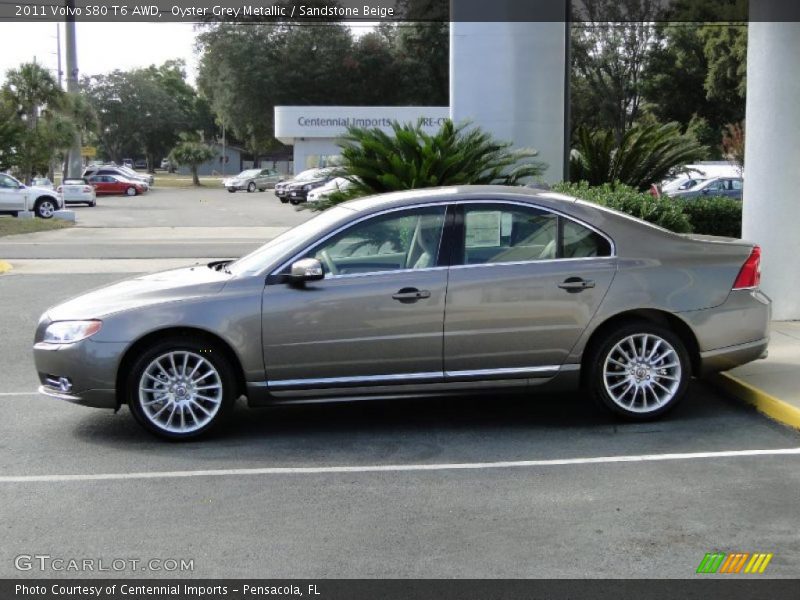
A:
(426, 292)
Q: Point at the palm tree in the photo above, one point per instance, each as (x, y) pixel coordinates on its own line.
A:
(36, 100)
(646, 154)
(376, 162)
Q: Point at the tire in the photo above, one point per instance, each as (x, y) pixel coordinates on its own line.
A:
(93, 203)
(192, 402)
(295, 201)
(284, 200)
(45, 208)
(131, 191)
(251, 187)
(640, 371)
(232, 190)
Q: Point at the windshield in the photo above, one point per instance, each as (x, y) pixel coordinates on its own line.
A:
(275, 249)
(249, 173)
(310, 174)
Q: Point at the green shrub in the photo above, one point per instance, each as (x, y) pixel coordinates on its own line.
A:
(659, 211)
(714, 216)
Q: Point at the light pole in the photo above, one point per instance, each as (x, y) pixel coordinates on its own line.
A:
(74, 165)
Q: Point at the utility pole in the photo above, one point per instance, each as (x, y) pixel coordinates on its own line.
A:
(74, 163)
(224, 154)
(58, 54)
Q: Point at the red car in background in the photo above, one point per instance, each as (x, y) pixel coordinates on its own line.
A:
(114, 184)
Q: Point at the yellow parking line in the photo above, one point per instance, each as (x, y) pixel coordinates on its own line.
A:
(773, 407)
(5, 267)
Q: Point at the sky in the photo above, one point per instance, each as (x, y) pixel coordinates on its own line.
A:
(103, 47)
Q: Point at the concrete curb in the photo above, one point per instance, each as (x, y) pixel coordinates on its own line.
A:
(774, 408)
(5, 267)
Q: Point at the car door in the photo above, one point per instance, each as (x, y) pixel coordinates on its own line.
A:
(99, 183)
(376, 317)
(523, 286)
(12, 196)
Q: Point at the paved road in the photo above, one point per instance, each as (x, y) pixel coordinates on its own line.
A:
(635, 519)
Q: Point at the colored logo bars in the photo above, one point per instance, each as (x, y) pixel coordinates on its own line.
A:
(736, 562)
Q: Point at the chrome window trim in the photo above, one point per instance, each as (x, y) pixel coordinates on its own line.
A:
(532, 262)
(356, 222)
(447, 202)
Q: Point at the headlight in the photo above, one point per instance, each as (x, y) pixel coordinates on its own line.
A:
(67, 332)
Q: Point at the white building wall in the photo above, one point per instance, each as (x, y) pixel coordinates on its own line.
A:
(772, 160)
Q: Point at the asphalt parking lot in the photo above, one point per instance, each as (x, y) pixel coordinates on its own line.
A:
(492, 487)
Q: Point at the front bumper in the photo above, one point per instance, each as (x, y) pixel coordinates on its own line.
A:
(90, 367)
(300, 195)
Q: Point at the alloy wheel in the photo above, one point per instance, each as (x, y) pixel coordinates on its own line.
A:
(180, 392)
(46, 209)
(642, 373)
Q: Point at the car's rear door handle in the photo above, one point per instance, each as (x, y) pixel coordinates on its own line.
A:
(411, 294)
(575, 284)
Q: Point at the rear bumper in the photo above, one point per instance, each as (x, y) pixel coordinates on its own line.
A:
(724, 359)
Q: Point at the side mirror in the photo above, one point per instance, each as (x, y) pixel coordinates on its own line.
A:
(22, 186)
(306, 269)
(706, 191)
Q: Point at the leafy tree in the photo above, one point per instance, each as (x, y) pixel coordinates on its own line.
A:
(645, 155)
(192, 154)
(733, 144)
(11, 130)
(145, 110)
(375, 162)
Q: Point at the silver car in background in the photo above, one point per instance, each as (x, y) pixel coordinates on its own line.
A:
(252, 180)
(438, 291)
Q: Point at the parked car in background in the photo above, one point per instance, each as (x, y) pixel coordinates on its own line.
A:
(140, 163)
(127, 162)
(17, 197)
(680, 184)
(116, 184)
(77, 191)
(43, 182)
(123, 172)
(542, 292)
(337, 184)
(166, 164)
(147, 178)
(296, 190)
(252, 180)
(729, 187)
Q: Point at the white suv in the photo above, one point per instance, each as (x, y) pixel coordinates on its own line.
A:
(16, 197)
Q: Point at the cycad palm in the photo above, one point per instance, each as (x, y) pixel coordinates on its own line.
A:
(376, 162)
(645, 155)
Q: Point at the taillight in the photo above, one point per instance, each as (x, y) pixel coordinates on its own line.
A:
(87, 189)
(750, 273)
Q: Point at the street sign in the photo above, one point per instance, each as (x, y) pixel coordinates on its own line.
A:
(89, 151)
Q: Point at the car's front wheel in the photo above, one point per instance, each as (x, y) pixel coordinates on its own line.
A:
(45, 208)
(131, 191)
(251, 187)
(640, 371)
(180, 389)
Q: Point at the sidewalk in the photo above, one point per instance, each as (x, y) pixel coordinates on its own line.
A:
(771, 385)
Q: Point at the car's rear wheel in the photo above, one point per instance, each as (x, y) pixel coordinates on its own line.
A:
(232, 190)
(44, 208)
(131, 191)
(640, 371)
(180, 389)
(251, 187)
(93, 203)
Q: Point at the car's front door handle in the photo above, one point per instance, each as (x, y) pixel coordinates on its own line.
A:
(574, 285)
(411, 294)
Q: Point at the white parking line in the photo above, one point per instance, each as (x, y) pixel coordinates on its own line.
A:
(19, 393)
(398, 468)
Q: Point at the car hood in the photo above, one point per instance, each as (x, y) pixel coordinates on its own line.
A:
(300, 184)
(39, 190)
(167, 286)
